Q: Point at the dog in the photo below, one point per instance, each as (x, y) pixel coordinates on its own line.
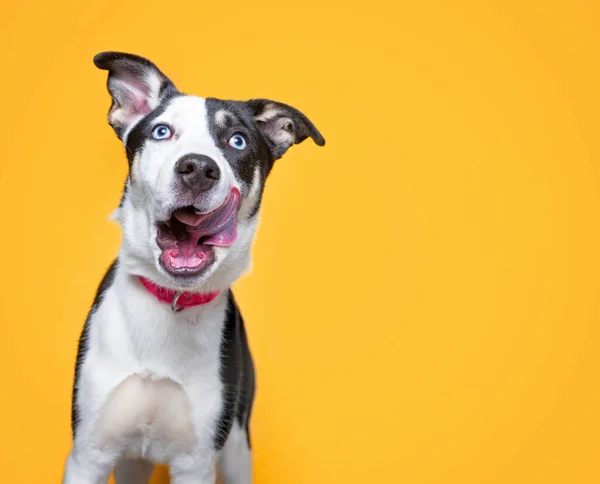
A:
(164, 373)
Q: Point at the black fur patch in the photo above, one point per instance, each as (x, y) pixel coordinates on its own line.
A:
(237, 375)
(83, 345)
(243, 162)
(282, 118)
(246, 400)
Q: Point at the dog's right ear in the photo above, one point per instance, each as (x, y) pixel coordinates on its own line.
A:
(136, 85)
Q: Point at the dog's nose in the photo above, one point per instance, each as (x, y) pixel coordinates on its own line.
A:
(198, 172)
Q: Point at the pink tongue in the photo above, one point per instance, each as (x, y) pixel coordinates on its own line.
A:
(225, 237)
(189, 218)
(219, 227)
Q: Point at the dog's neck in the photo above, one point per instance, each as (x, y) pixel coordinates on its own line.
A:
(144, 312)
(178, 300)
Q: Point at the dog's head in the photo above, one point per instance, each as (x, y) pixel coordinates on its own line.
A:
(197, 168)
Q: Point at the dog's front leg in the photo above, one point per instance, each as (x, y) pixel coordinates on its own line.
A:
(89, 466)
(193, 469)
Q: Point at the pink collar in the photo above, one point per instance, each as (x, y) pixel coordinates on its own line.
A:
(178, 299)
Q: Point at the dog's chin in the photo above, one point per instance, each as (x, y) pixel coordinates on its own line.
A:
(192, 278)
(187, 240)
(194, 268)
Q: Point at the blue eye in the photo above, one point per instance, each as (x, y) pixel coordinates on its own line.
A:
(161, 131)
(238, 142)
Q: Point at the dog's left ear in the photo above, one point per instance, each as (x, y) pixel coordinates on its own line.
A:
(136, 85)
(282, 125)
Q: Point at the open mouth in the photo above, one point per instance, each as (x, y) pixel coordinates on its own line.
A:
(188, 238)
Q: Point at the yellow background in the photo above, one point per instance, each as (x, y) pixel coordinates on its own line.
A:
(424, 301)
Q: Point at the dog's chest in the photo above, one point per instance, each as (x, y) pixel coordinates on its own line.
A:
(156, 379)
(148, 417)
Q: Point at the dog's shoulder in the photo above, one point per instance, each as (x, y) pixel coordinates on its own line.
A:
(84, 338)
(237, 372)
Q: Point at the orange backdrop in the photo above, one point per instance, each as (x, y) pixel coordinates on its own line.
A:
(424, 301)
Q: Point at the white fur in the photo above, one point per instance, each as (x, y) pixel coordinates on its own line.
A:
(154, 169)
(143, 365)
(149, 388)
(221, 117)
(235, 463)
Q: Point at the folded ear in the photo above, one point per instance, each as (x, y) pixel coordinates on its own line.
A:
(136, 85)
(282, 125)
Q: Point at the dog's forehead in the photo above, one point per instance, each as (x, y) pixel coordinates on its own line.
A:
(210, 113)
(186, 110)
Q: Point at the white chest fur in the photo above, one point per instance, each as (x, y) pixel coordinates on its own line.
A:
(148, 417)
(150, 379)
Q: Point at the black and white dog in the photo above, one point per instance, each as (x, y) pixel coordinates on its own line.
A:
(164, 373)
